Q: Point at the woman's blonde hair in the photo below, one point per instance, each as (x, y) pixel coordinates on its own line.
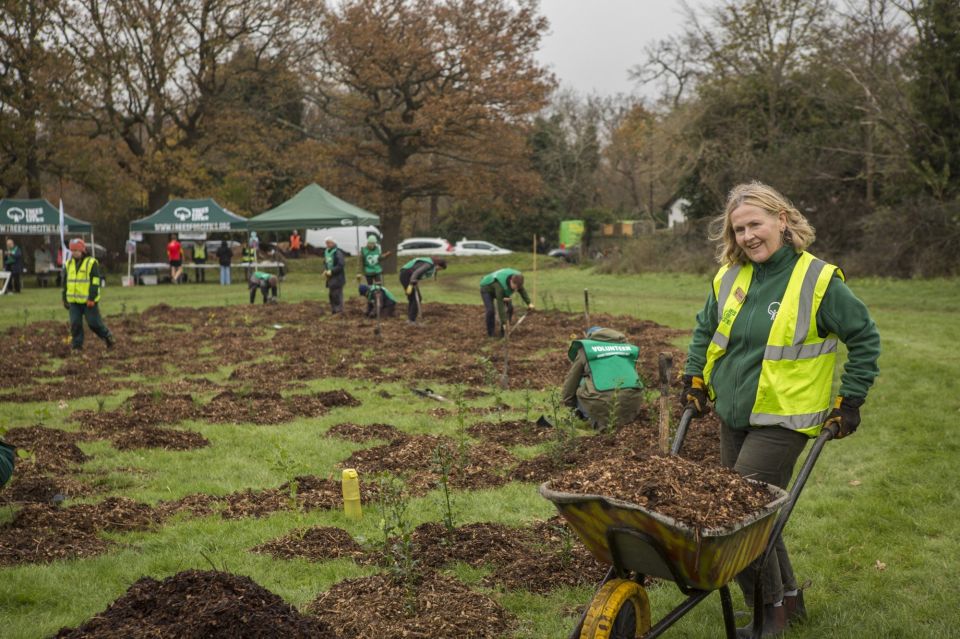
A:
(799, 232)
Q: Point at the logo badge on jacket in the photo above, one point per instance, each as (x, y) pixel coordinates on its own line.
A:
(772, 310)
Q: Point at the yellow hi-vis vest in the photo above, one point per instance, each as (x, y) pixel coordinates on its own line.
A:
(796, 376)
(79, 280)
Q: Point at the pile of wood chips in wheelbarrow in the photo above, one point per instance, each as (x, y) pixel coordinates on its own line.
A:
(699, 496)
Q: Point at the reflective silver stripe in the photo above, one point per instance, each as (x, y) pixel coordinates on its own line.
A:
(726, 283)
(805, 304)
(804, 351)
(720, 340)
(793, 422)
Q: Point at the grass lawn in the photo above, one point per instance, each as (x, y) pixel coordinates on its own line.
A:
(875, 530)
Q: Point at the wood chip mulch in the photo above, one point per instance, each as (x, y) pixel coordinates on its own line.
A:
(166, 438)
(42, 533)
(699, 496)
(365, 432)
(512, 433)
(199, 605)
(317, 543)
(379, 607)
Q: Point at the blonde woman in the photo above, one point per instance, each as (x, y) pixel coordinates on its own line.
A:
(763, 351)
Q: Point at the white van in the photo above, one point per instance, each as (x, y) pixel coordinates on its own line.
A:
(346, 237)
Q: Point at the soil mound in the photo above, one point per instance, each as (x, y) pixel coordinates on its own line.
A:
(365, 432)
(437, 606)
(318, 543)
(199, 605)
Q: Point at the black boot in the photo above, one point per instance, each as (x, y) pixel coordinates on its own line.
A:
(774, 623)
(796, 610)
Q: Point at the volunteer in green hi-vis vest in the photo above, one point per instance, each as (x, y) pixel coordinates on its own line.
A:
(81, 292)
(495, 291)
(334, 261)
(200, 257)
(769, 364)
(411, 274)
(371, 255)
(603, 376)
(375, 293)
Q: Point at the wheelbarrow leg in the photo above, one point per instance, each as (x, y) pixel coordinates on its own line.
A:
(727, 604)
(579, 627)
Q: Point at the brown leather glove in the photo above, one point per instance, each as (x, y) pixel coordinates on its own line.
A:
(845, 416)
(695, 394)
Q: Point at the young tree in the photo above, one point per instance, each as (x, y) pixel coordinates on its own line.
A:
(154, 70)
(935, 94)
(428, 98)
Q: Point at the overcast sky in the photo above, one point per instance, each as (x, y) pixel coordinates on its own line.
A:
(593, 43)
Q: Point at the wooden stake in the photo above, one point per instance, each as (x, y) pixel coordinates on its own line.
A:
(665, 361)
(534, 268)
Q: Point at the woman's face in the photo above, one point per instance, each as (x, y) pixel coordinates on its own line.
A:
(757, 232)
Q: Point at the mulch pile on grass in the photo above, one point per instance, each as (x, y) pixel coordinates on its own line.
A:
(310, 493)
(268, 407)
(43, 533)
(166, 438)
(380, 607)
(317, 543)
(699, 496)
(512, 433)
(199, 605)
(364, 432)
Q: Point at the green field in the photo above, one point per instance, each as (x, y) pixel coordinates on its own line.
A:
(874, 531)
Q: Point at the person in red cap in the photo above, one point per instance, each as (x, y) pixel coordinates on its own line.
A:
(81, 292)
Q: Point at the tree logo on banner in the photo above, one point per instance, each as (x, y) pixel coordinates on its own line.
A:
(16, 214)
(182, 213)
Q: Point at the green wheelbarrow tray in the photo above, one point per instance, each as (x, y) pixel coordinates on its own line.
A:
(702, 559)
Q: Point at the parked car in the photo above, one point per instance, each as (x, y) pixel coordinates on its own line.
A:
(424, 246)
(478, 247)
(346, 237)
(571, 254)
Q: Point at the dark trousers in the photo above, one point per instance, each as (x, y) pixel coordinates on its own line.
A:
(413, 299)
(266, 289)
(94, 321)
(375, 278)
(387, 307)
(336, 299)
(201, 272)
(768, 455)
(490, 313)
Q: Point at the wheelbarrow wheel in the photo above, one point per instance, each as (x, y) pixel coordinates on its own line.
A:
(619, 610)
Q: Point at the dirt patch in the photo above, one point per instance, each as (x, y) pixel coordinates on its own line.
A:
(318, 543)
(266, 407)
(166, 438)
(32, 486)
(310, 493)
(199, 605)
(52, 449)
(436, 606)
(140, 410)
(512, 433)
(415, 457)
(45, 533)
(474, 544)
(700, 496)
(365, 432)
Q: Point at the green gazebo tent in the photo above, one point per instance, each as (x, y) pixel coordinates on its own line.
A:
(37, 217)
(312, 207)
(190, 216)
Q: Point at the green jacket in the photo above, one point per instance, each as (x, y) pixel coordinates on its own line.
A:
(372, 291)
(737, 374)
(496, 285)
(371, 260)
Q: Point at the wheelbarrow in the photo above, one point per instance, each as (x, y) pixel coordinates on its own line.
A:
(638, 543)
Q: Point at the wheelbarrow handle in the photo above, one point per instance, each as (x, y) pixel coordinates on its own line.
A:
(681, 430)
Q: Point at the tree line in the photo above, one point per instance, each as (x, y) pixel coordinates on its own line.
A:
(436, 115)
